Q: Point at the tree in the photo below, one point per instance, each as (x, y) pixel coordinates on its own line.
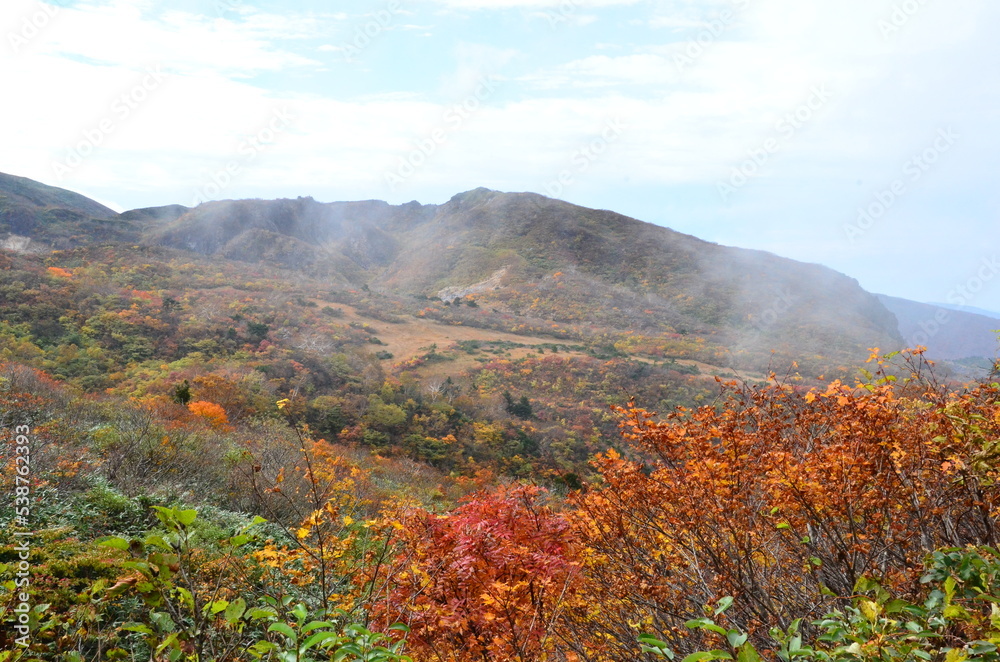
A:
(522, 408)
(487, 581)
(182, 393)
(783, 499)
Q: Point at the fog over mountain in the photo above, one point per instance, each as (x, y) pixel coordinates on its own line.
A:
(524, 255)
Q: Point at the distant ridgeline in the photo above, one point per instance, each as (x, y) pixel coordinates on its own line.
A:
(522, 256)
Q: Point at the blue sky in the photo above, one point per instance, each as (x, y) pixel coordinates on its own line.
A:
(860, 134)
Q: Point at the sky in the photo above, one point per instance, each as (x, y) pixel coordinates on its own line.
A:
(859, 134)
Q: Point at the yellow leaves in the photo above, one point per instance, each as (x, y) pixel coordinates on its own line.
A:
(282, 403)
(348, 520)
(956, 655)
(302, 533)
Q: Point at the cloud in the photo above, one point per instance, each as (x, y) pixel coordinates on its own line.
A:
(116, 33)
(529, 4)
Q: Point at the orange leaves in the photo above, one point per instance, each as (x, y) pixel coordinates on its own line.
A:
(485, 581)
(214, 414)
(59, 272)
(778, 496)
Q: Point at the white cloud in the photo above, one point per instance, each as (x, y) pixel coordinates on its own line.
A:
(118, 32)
(525, 4)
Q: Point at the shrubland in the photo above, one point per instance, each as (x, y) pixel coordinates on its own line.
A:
(848, 521)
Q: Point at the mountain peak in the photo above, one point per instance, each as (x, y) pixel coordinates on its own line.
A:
(28, 192)
(475, 196)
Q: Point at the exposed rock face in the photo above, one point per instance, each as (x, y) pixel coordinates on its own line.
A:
(19, 244)
(492, 283)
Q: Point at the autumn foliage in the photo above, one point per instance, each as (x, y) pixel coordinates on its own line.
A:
(783, 500)
(211, 412)
(487, 581)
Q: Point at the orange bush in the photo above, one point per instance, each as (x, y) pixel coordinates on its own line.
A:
(487, 581)
(211, 412)
(782, 499)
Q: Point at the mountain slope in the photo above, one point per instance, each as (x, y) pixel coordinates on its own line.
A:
(531, 263)
(947, 334)
(29, 193)
(34, 216)
(534, 257)
(967, 309)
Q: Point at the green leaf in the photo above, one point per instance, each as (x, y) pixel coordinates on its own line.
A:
(162, 621)
(312, 625)
(217, 606)
(186, 517)
(235, 610)
(705, 624)
(896, 606)
(114, 542)
(318, 638)
(259, 613)
(170, 641)
(736, 638)
(263, 647)
(186, 597)
(723, 604)
(783, 525)
(283, 628)
(300, 612)
(982, 647)
(748, 653)
(708, 655)
(136, 627)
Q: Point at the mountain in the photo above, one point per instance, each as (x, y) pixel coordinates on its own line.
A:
(530, 263)
(34, 216)
(947, 333)
(25, 192)
(967, 309)
(532, 256)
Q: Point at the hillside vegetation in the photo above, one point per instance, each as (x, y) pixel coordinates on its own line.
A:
(289, 430)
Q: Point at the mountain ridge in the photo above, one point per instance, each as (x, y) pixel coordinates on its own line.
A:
(541, 259)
